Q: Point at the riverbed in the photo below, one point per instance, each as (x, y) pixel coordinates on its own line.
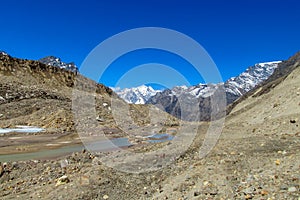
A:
(34, 147)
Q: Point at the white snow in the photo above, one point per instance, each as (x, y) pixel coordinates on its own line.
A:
(251, 77)
(136, 95)
(269, 63)
(3, 53)
(22, 129)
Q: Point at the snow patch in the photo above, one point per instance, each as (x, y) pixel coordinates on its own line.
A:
(22, 129)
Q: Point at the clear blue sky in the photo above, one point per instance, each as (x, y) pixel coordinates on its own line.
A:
(236, 33)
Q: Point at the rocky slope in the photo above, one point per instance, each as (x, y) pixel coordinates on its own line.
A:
(32, 93)
(256, 157)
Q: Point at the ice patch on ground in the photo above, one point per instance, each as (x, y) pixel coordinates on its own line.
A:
(22, 129)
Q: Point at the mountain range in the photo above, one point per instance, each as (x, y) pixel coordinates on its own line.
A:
(168, 99)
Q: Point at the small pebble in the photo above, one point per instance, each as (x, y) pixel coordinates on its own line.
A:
(264, 192)
(205, 183)
(62, 180)
(283, 187)
(292, 189)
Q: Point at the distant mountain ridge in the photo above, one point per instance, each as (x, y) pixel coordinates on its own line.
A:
(235, 86)
(169, 99)
(56, 62)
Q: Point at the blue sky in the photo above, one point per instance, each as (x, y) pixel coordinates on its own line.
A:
(235, 33)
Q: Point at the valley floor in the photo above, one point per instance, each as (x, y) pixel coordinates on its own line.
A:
(260, 165)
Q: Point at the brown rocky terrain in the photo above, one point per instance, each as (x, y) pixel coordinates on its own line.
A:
(35, 94)
(256, 157)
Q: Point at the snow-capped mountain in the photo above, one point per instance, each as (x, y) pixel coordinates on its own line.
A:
(234, 88)
(250, 78)
(56, 62)
(201, 90)
(3, 53)
(137, 95)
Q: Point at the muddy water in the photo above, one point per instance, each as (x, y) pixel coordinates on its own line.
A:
(158, 138)
(105, 145)
(54, 153)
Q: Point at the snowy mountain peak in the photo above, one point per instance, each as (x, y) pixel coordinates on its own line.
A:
(268, 63)
(137, 95)
(143, 89)
(253, 76)
(56, 62)
(3, 53)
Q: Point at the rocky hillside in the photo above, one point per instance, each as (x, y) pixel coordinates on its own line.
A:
(258, 154)
(33, 93)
